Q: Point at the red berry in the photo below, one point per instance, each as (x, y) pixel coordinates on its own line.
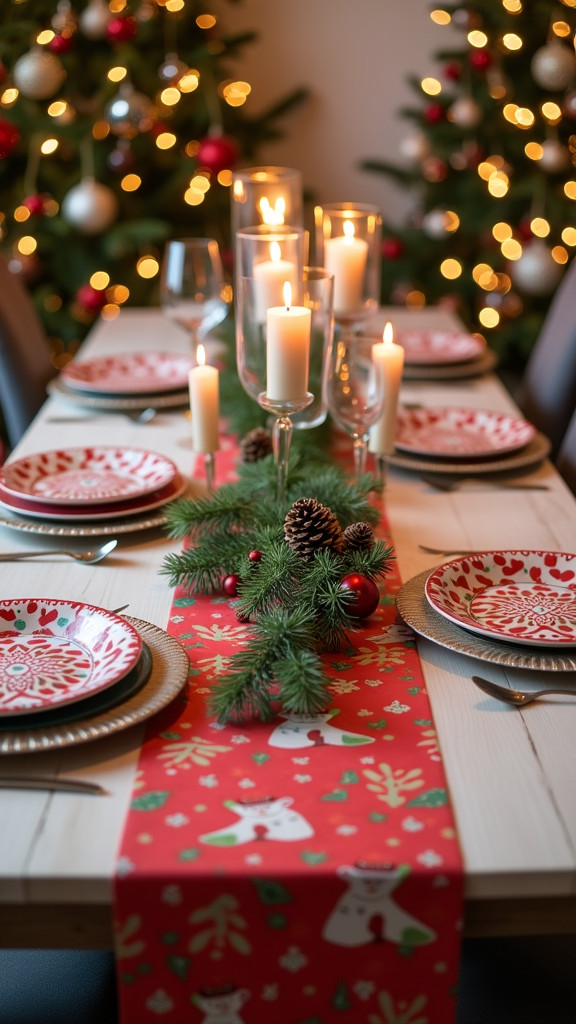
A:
(242, 617)
(255, 556)
(230, 585)
(366, 595)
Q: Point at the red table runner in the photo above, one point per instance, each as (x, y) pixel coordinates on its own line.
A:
(304, 871)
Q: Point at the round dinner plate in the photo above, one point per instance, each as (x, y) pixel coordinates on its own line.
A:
(95, 512)
(55, 652)
(434, 347)
(129, 373)
(168, 400)
(85, 476)
(526, 597)
(452, 432)
(533, 453)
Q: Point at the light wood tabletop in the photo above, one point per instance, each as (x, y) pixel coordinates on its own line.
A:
(511, 773)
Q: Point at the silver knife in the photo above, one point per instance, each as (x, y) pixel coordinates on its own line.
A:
(56, 783)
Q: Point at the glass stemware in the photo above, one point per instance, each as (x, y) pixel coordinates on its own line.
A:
(354, 390)
(348, 245)
(193, 286)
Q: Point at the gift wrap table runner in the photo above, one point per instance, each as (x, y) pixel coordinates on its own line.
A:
(301, 871)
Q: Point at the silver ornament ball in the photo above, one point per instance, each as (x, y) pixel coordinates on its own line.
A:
(38, 74)
(90, 207)
(415, 147)
(434, 223)
(129, 113)
(553, 66)
(465, 112)
(536, 272)
(94, 19)
(555, 156)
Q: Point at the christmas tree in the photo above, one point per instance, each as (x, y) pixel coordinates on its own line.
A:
(491, 159)
(119, 126)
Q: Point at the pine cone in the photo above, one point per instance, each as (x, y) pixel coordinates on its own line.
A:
(256, 445)
(358, 537)
(310, 527)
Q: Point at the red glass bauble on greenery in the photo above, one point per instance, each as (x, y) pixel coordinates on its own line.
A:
(230, 585)
(392, 248)
(366, 595)
(9, 138)
(255, 557)
(61, 44)
(453, 72)
(433, 113)
(34, 203)
(90, 299)
(481, 59)
(121, 30)
(217, 153)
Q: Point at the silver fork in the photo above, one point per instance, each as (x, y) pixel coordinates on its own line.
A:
(447, 483)
(517, 697)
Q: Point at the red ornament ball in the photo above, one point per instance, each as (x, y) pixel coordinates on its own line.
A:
(3, 72)
(392, 248)
(255, 556)
(453, 71)
(217, 153)
(366, 595)
(434, 112)
(9, 138)
(122, 30)
(34, 203)
(230, 585)
(481, 59)
(61, 44)
(91, 299)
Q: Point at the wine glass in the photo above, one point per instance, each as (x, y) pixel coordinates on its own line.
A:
(354, 391)
(193, 286)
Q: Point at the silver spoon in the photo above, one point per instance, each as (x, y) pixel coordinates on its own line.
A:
(88, 557)
(517, 697)
(138, 416)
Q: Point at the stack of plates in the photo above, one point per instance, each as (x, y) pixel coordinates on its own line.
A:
(514, 608)
(435, 354)
(128, 381)
(460, 440)
(85, 491)
(71, 671)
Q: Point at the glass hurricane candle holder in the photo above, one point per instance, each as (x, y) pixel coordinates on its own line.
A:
(348, 245)
(317, 295)
(355, 390)
(269, 196)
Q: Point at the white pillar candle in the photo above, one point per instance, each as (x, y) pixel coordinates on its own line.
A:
(390, 358)
(345, 257)
(287, 350)
(269, 278)
(204, 405)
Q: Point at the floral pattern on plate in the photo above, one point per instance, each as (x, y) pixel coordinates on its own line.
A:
(82, 476)
(460, 433)
(130, 373)
(55, 652)
(94, 512)
(433, 347)
(526, 597)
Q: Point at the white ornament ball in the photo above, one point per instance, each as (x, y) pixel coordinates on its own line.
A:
(94, 19)
(90, 207)
(536, 272)
(415, 147)
(555, 156)
(38, 74)
(553, 66)
(465, 113)
(434, 223)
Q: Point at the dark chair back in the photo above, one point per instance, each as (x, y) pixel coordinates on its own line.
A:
(547, 392)
(566, 461)
(25, 363)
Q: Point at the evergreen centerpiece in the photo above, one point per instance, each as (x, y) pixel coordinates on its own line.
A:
(490, 160)
(304, 574)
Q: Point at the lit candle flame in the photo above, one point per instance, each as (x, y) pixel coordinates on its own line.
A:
(287, 292)
(388, 335)
(275, 252)
(348, 229)
(272, 214)
(200, 355)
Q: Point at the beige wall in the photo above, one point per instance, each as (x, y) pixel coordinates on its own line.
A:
(354, 56)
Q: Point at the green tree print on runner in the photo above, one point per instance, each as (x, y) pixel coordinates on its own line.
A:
(220, 924)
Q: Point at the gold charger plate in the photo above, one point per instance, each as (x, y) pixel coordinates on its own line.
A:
(536, 450)
(417, 613)
(169, 673)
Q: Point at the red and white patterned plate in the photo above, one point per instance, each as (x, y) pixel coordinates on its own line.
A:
(130, 373)
(54, 652)
(526, 597)
(83, 476)
(433, 348)
(95, 512)
(460, 433)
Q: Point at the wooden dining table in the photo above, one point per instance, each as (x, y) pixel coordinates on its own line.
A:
(511, 773)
